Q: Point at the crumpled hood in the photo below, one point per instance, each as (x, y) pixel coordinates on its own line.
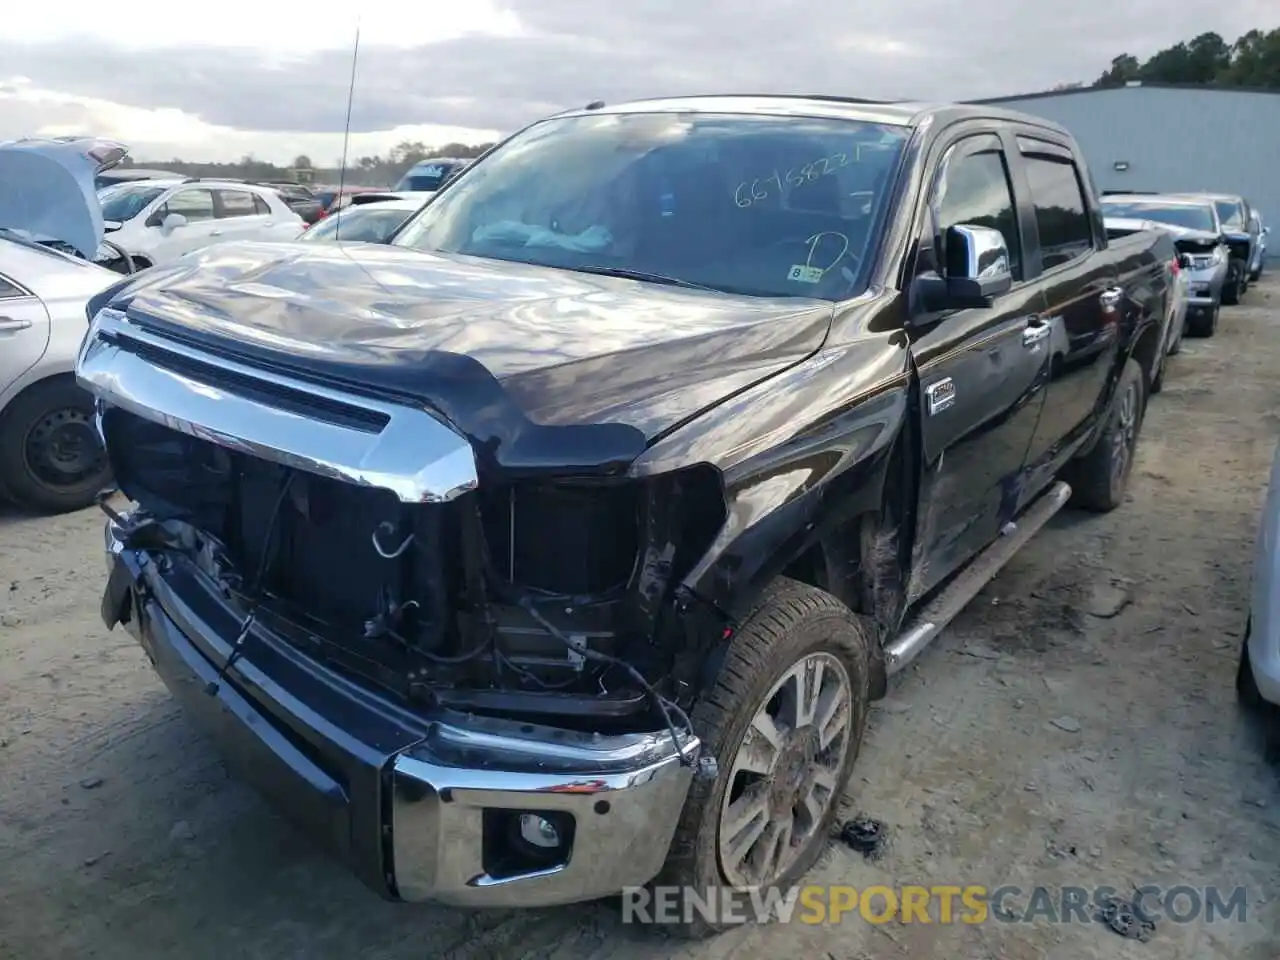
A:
(499, 348)
(47, 189)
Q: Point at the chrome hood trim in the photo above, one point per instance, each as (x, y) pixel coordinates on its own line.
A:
(404, 450)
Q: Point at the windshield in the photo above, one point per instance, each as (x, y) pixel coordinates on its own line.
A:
(1231, 214)
(359, 224)
(759, 205)
(124, 201)
(426, 178)
(1192, 216)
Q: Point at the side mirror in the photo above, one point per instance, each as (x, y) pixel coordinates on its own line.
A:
(173, 221)
(977, 270)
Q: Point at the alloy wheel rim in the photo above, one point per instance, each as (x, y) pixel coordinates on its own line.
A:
(1126, 429)
(784, 777)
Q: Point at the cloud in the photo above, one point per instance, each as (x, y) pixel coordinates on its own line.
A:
(507, 62)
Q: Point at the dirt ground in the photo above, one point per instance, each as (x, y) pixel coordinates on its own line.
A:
(1045, 739)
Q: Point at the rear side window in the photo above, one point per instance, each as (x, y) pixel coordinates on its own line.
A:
(235, 203)
(975, 190)
(10, 291)
(1061, 214)
(260, 206)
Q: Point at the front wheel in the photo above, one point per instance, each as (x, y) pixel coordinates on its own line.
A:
(51, 460)
(1099, 479)
(1234, 286)
(1204, 324)
(785, 720)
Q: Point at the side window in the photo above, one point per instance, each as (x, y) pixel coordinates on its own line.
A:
(975, 189)
(1061, 214)
(195, 205)
(10, 291)
(235, 203)
(260, 206)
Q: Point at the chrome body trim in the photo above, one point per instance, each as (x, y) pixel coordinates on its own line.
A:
(414, 454)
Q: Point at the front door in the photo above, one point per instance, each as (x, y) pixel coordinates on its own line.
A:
(24, 331)
(200, 230)
(980, 374)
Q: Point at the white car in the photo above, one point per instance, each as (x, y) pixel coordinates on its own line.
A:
(157, 221)
(1258, 678)
(364, 222)
(51, 459)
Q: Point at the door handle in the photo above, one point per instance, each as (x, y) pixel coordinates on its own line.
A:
(1110, 298)
(1037, 329)
(215, 233)
(10, 325)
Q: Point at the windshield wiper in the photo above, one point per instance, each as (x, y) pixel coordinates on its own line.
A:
(626, 274)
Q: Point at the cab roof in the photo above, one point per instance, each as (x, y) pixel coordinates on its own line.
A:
(905, 113)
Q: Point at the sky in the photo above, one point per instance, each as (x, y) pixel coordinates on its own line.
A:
(271, 79)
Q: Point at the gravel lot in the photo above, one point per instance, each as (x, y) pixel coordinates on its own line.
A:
(1045, 739)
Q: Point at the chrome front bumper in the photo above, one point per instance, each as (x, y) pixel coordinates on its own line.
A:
(418, 805)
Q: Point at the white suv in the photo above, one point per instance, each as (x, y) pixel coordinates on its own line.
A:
(156, 221)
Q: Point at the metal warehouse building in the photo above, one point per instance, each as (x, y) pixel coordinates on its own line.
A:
(1170, 137)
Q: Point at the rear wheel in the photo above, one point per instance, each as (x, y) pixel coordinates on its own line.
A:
(784, 720)
(51, 459)
(1099, 479)
(1204, 324)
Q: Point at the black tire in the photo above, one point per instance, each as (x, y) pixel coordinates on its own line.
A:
(1246, 685)
(1255, 275)
(793, 621)
(1099, 479)
(31, 468)
(1202, 325)
(1234, 286)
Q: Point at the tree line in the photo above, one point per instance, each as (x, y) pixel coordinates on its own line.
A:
(1252, 61)
(369, 171)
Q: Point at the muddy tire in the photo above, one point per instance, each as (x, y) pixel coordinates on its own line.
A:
(51, 460)
(1099, 478)
(1204, 326)
(785, 748)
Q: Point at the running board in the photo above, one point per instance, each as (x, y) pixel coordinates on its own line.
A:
(940, 611)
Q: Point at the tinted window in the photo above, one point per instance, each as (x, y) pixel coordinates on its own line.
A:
(975, 190)
(1231, 214)
(758, 205)
(1061, 215)
(1191, 216)
(124, 201)
(235, 203)
(195, 205)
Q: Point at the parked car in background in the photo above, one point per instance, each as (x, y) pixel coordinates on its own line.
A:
(299, 198)
(332, 197)
(581, 530)
(130, 175)
(159, 220)
(51, 459)
(1258, 675)
(430, 175)
(1259, 261)
(1242, 233)
(372, 222)
(1197, 233)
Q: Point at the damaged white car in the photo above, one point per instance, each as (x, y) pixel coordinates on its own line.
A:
(51, 234)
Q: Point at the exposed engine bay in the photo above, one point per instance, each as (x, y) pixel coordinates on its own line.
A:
(536, 598)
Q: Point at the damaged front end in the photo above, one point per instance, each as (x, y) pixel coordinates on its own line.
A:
(470, 688)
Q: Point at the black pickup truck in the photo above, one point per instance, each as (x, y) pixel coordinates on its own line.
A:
(562, 544)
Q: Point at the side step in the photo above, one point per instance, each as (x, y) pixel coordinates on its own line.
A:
(940, 611)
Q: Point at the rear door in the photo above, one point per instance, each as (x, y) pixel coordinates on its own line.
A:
(24, 331)
(239, 215)
(1083, 298)
(980, 370)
